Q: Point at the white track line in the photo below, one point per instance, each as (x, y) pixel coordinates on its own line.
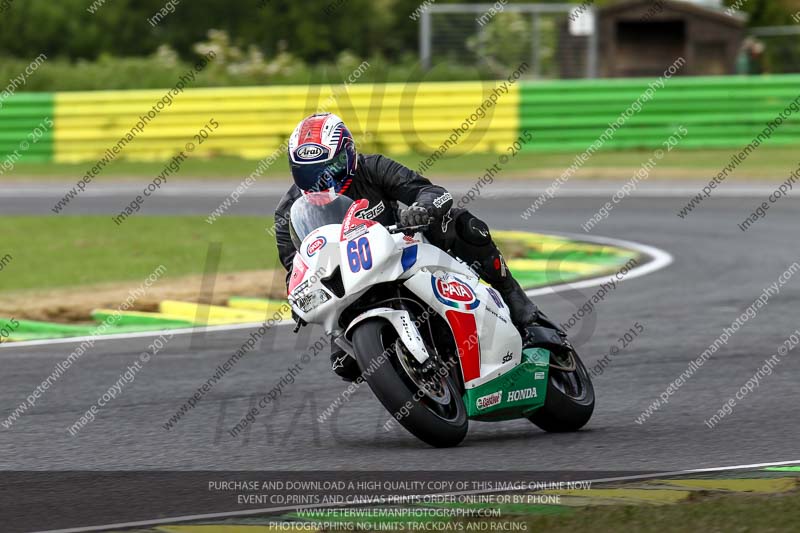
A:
(409, 498)
(659, 259)
(139, 334)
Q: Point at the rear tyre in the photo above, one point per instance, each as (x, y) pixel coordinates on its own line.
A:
(570, 399)
(439, 424)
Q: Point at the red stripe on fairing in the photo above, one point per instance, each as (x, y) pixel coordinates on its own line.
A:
(351, 220)
(465, 330)
(299, 269)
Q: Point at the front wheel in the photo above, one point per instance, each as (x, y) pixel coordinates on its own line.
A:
(432, 411)
(570, 396)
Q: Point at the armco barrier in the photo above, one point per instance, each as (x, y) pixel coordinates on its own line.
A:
(26, 130)
(724, 112)
(718, 111)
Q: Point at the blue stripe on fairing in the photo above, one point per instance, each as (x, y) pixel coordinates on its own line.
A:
(409, 257)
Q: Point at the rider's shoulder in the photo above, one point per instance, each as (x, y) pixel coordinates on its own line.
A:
(374, 164)
(289, 197)
(368, 160)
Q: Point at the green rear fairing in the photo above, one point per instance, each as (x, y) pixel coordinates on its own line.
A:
(514, 394)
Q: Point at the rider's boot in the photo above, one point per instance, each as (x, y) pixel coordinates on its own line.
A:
(535, 327)
(523, 311)
(343, 365)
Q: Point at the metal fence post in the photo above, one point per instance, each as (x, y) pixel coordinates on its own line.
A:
(591, 59)
(535, 37)
(425, 40)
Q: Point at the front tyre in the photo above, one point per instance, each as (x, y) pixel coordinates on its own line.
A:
(441, 424)
(570, 397)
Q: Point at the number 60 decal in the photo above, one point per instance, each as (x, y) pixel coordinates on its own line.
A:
(359, 256)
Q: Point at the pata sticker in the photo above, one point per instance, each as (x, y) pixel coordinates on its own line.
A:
(454, 292)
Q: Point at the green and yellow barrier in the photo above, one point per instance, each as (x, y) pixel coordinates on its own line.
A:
(395, 118)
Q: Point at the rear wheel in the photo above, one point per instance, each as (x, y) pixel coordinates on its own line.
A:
(424, 399)
(570, 396)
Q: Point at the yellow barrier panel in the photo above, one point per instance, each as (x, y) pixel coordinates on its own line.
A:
(201, 313)
(266, 307)
(255, 121)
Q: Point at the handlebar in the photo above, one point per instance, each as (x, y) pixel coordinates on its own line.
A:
(406, 229)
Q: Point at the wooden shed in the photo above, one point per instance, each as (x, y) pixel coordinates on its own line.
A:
(643, 37)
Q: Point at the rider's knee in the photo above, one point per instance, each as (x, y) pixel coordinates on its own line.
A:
(473, 230)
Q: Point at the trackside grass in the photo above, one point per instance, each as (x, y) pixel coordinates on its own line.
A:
(67, 251)
(712, 514)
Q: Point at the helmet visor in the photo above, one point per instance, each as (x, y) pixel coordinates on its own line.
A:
(314, 177)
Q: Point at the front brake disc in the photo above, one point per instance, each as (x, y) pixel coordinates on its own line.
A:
(436, 390)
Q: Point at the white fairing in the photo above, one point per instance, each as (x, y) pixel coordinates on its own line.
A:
(499, 345)
(488, 342)
(320, 253)
(403, 323)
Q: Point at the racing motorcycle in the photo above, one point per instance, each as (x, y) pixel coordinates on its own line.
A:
(436, 345)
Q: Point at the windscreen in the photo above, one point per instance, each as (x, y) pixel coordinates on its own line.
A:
(312, 211)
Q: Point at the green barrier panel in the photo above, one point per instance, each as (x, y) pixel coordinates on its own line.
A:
(719, 112)
(26, 129)
(35, 330)
(138, 319)
(34, 327)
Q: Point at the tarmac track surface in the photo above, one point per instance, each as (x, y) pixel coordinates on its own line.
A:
(718, 271)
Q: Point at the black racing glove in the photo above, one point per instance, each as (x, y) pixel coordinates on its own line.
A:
(414, 215)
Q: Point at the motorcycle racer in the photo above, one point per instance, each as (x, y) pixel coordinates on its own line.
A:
(323, 157)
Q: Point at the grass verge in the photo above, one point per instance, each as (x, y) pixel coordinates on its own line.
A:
(710, 514)
(67, 251)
